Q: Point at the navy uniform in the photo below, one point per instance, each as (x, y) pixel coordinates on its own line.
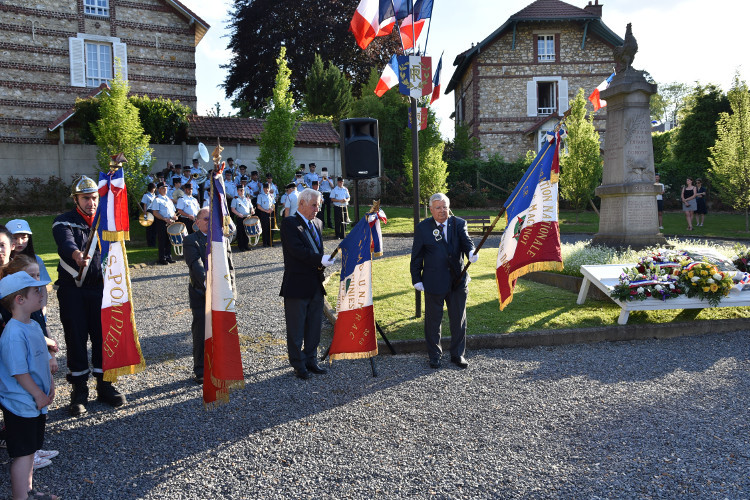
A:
(81, 301)
(326, 185)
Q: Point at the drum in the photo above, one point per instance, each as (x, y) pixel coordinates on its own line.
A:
(177, 232)
(253, 229)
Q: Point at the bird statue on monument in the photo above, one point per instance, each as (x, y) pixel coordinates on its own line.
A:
(625, 53)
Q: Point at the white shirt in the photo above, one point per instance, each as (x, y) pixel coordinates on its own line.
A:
(147, 199)
(291, 203)
(326, 185)
(340, 193)
(254, 188)
(243, 205)
(188, 204)
(230, 188)
(661, 187)
(164, 206)
(310, 177)
(265, 201)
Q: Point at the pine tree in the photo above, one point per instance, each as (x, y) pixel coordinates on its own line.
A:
(581, 163)
(730, 155)
(119, 130)
(280, 130)
(327, 91)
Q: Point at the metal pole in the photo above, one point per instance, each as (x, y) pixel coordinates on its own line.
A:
(415, 186)
(356, 200)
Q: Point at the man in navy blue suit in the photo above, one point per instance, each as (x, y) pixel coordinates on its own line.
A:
(302, 285)
(437, 259)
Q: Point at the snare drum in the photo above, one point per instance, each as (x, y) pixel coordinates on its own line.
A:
(253, 229)
(177, 232)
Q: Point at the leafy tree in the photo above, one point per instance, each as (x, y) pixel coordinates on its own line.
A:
(433, 170)
(164, 120)
(308, 27)
(730, 156)
(672, 99)
(280, 129)
(327, 91)
(119, 130)
(581, 162)
(462, 146)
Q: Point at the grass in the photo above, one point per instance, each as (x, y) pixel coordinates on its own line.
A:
(534, 306)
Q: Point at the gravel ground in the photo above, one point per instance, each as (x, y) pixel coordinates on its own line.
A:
(647, 419)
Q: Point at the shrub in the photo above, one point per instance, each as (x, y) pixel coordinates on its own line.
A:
(32, 195)
(463, 195)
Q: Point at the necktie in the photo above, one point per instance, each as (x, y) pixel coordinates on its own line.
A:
(314, 232)
(442, 232)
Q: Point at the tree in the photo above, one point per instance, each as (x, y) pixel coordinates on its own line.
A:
(307, 27)
(581, 162)
(672, 99)
(433, 170)
(327, 91)
(730, 156)
(280, 129)
(119, 130)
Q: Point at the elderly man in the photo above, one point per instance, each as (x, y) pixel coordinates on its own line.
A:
(440, 243)
(302, 285)
(81, 300)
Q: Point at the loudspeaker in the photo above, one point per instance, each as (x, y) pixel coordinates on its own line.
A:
(360, 148)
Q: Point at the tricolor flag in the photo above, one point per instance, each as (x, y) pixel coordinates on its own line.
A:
(415, 76)
(121, 350)
(436, 81)
(354, 331)
(531, 241)
(222, 369)
(389, 78)
(595, 99)
(367, 23)
(422, 115)
(423, 9)
(410, 31)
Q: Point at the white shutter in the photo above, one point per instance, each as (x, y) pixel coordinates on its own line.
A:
(563, 97)
(531, 108)
(121, 50)
(77, 64)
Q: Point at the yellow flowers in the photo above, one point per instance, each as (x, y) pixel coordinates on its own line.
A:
(713, 287)
(705, 289)
(690, 274)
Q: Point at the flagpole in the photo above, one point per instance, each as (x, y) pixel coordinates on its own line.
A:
(481, 243)
(427, 39)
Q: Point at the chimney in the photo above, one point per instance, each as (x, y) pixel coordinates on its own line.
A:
(595, 8)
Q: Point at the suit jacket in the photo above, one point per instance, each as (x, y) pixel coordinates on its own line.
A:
(303, 274)
(435, 262)
(194, 250)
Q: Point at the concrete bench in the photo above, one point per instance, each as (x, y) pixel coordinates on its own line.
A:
(605, 277)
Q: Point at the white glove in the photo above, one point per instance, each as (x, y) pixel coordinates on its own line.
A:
(327, 261)
(473, 257)
(419, 286)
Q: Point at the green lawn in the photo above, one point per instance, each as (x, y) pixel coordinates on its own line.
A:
(534, 306)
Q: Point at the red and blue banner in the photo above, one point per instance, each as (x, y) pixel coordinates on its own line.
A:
(422, 115)
(531, 241)
(222, 369)
(121, 349)
(415, 76)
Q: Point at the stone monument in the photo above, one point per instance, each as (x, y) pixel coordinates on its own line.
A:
(628, 194)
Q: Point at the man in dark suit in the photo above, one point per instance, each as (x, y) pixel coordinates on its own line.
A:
(437, 258)
(194, 249)
(302, 285)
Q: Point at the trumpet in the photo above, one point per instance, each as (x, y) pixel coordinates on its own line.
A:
(200, 176)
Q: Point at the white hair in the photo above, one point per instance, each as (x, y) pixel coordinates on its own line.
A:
(440, 197)
(308, 194)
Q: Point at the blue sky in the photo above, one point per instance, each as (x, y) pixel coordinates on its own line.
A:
(684, 41)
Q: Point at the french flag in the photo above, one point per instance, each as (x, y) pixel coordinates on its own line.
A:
(406, 31)
(389, 78)
(436, 81)
(367, 23)
(595, 99)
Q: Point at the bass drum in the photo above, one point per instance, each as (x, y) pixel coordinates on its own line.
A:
(177, 233)
(253, 229)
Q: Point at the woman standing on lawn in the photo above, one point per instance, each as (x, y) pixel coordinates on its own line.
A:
(689, 205)
(701, 211)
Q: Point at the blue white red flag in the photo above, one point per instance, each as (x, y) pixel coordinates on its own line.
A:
(389, 78)
(223, 361)
(595, 98)
(409, 33)
(397, 9)
(436, 81)
(367, 24)
(422, 9)
(415, 76)
(354, 331)
(531, 241)
(121, 349)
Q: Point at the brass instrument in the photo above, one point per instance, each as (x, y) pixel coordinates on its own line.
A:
(200, 176)
(177, 194)
(146, 219)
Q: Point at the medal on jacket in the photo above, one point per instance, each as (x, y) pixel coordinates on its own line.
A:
(437, 235)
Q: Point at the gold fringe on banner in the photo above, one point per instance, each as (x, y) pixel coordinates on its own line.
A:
(116, 235)
(224, 387)
(530, 268)
(353, 355)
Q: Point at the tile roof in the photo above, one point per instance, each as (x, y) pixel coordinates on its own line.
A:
(249, 129)
(551, 9)
(201, 26)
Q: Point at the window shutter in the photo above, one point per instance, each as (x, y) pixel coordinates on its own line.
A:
(563, 96)
(531, 107)
(77, 65)
(121, 50)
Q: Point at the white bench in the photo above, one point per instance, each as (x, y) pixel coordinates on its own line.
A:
(605, 277)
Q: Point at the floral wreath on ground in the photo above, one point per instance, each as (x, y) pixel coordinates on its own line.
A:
(656, 275)
(705, 281)
(742, 262)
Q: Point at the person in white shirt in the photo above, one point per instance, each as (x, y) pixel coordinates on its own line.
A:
(187, 208)
(290, 204)
(311, 176)
(230, 188)
(265, 208)
(242, 208)
(164, 214)
(242, 171)
(299, 182)
(254, 186)
(659, 200)
(146, 200)
(272, 189)
(340, 199)
(326, 185)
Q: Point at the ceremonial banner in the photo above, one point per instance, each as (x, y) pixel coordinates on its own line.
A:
(222, 370)
(354, 331)
(531, 241)
(415, 76)
(422, 114)
(121, 349)
(389, 78)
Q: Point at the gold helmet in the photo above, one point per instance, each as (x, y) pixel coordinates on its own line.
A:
(83, 185)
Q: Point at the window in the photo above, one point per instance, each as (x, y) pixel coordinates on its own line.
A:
(545, 48)
(546, 93)
(96, 7)
(98, 63)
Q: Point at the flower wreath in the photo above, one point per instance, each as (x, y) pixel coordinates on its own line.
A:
(705, 281)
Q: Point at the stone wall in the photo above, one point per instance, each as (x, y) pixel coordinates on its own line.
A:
(35, 62)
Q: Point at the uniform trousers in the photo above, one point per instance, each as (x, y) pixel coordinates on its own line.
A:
(81, 318)
(338, 217)
(198, 329)
(326, 209)
(151, 236)
(163, 246)
(433, 316)
(304, 318)
(243, 241)
(265, 225)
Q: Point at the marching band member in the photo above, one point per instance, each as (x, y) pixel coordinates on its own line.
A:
(187, 208)
(340, 199)
(326, 185)
(254, 187)
(290, 204)
(81, 301)
(146, 200)
(243, 171)
(299, 182)
(311, 176)
(242, 208)
(176, 192)
(164, 214)
(272, 189)
(176, 173)
(230, 188)
(265, 208)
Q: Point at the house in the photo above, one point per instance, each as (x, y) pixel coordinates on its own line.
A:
(512, 87)
(54, 51)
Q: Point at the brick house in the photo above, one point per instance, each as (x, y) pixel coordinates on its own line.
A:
(515, 84)
(54, 51)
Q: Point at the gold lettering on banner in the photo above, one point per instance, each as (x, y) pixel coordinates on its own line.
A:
(234, 329)
(117, 278)
(116, 293)
(108, 350)
(230, 304)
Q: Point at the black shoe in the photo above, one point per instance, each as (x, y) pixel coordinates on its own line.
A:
(162, 262)
(316, 368)
(435, 363)
(170, 260)
(106, 393)
(198, 379)
(459, 361)
(302, 373)
(79, 396)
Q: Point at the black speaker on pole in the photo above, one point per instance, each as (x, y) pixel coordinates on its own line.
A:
(360, 148)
